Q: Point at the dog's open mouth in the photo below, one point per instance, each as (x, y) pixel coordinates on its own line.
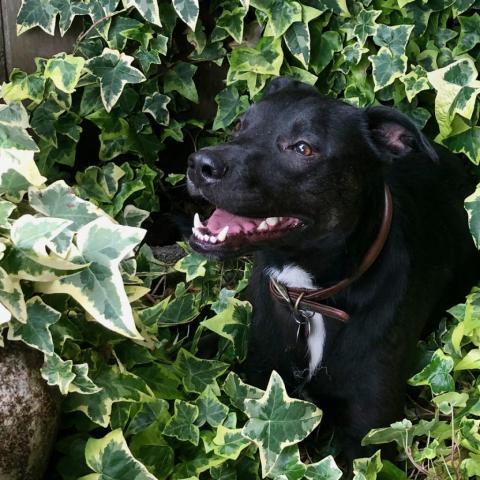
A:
(225, 229)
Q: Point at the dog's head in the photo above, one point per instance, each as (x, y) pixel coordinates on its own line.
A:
(297, 166)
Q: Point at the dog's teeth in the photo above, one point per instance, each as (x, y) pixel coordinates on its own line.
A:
(223, 234)
(272, 221)
(196, 221)
(213, 239)
(263, 226)
(206, 238)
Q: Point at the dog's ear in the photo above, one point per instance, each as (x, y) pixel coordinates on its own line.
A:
(279, 83)
(393, 134)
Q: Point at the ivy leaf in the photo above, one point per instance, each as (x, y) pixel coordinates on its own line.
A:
(325, 469)
(188, 11)
(297, 39)
(116, 386)
(210, 409)
(232, 22)
(288, 465)
(238, 391)
(469, 34)
(394, 38)
(111, 459)
(147, 8)
(99, 287)
(58, 372)
(436, 374)
(64, 70)
(467, 142)
(230, 106)
(180, 79)
(277, 421)
(367, 468)
(82, 383)
(281, 14)
(182, 424)
(415, 82)
(11, 296)
(156, 106)
(35, 332)
(6, 209)
(365, 25)
(114, 71)
(23, 87)
(35, 13)
(193, 265)
(197, 374)
(229, 442)
(387, 67)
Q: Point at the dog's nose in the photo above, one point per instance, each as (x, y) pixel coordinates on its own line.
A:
(206, 167)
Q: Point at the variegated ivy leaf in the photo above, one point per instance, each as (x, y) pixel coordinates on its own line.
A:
(266, 58)
(182, 424)
(114, 71)
(156, 106)
(288, 465)
(111, 459)
(469, 34)
(180, 79)
(232, 22)
(232, 323)
(365, 24)
(387, 67)
(23, 87)
(147, 8)
(277, 421)
(436, 374)
(229, 442)
(188, 11)
(415, 81)
(64, 70)
(367, 468)
(37, 13)
(82, 383)
(116, 386)
(35, 332)
(99, 287)
(58, 372)
(6, 209)
(132, 216)
(297, 39)
(17, 169)
(394, 38)
(472, 206)
(457, 89)
(230, 106)
(238, 391)
(210, 409)
(197, 374)
(281, 14)
(11, 296)
(467, 142)
(193, 265)
(5, 317)
(325, 469)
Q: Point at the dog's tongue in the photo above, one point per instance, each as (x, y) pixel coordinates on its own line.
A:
(236, 224)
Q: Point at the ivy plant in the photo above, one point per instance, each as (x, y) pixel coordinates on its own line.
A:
(93, 146)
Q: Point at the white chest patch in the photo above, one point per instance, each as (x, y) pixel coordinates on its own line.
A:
(296, 277)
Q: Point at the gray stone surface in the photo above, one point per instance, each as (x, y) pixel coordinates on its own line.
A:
(169, 254)
(29, 414)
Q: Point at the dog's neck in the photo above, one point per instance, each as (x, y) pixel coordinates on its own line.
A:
(327, 261)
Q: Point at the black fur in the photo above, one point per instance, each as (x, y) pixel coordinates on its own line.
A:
(427, 263)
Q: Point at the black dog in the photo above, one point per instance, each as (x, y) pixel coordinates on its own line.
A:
(352, 201)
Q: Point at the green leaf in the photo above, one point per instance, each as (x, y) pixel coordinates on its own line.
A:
(472, 206)
(111, 459)
(197, 374)
(230, 106)
(229, 442)
(467, 142)
(288, 465)
(394, 38)
(58, 372)
(64, 70)
(188, 11)
(37, 13)
(415, 82)
(281, 13)
(365, 25)
(232, 22)
(147, 8)
(367, 468)
(182, 424)
(180, 79)
(210, 409)
(238, 391)
(297, 39)
(6, 209)
(387, 67)
(469, 34)
(324, 47)
(436, 374)
(277, 421)
(325, 469)
(114, 71)
(35, 332)
(11, 296)
(116, 386)
(99, 288)
(23, 87)
(471, 361)
(193, 265)
(156, 106)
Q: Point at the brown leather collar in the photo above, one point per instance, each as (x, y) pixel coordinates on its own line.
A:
(310, 299)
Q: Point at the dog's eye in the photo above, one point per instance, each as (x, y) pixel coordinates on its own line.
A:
(303, 148)
(237, 125)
